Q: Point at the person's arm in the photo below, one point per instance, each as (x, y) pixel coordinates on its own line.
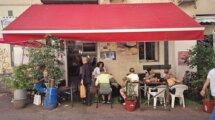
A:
(206, 84)
(104, 69)
(94, 73)
(97, 82)
(83, 74)
(138, 79)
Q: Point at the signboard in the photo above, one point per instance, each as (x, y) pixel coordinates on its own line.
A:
(6, 20)
(181, 56)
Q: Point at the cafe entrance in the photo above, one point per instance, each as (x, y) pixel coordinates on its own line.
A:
(76, 50)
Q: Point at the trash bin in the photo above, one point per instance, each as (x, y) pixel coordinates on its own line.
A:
(51, 99)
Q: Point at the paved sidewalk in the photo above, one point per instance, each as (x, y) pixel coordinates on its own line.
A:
(104, 112)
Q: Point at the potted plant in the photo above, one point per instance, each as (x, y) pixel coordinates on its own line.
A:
(49, 55)
(207, 102)
(19, 82)
(132, 95)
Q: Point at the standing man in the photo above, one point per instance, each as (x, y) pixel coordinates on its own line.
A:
(210, 81)
(86, 78)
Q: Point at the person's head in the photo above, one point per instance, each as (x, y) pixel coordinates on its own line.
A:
(100, 64)
(41, 67)
(84, 60)
(148, 70)
(166, 70)
(102, 70)
(131, 70)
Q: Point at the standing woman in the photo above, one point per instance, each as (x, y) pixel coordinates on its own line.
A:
(86, 77)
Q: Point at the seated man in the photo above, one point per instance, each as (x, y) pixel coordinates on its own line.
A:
(132, 77)
(40, 85)
(103, 81)
(170, 78)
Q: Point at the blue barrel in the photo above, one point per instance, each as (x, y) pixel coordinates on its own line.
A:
(51, 99)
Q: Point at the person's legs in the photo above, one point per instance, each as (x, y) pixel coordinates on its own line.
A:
(88, 93)
(109, 97)
(103, 98)
(122, 93)
(212, 117)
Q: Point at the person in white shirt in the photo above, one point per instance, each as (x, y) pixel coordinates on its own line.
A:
(132, 77)
(210, 81)
(96, 71)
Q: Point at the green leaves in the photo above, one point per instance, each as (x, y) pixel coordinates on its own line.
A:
(47, 55)
(23, 75)
(21, 78)
(202, 56)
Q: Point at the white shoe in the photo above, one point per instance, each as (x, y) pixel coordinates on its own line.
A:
(12, 100)
(123, 104)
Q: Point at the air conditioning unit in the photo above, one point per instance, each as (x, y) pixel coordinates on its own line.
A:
(69, 1)
(180, 2)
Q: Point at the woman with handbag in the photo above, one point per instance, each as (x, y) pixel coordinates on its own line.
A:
(86, 78)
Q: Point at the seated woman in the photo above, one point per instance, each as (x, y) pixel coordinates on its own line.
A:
(40, 84)
(150, 76)
(132, 77)
(103, 81)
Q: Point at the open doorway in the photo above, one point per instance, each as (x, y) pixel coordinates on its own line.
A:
(76, 50)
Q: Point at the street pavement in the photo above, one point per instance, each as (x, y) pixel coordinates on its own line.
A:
(104, 112)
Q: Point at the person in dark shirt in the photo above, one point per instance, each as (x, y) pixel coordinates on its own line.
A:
(86, 77)
(40, 85)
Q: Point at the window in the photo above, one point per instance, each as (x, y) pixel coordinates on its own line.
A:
(89, 47)
(148, 51)
(10, 13)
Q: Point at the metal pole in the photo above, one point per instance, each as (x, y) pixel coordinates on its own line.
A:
(66, 63)
(23, 52)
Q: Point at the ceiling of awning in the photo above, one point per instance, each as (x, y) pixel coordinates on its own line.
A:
(102, 23)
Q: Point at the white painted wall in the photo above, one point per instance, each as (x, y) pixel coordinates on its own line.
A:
(182, 46)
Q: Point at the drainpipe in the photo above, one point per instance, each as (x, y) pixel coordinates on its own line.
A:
(214, 39)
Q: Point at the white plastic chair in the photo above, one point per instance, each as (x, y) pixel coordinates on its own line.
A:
(179, 93)
(160, 93)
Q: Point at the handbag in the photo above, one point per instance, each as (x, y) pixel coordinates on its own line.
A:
(82, 91)
(37, 99)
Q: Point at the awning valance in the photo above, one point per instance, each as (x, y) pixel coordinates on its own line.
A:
(112, 23)
(205, 19)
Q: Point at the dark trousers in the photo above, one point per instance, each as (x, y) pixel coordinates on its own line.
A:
(87, 86)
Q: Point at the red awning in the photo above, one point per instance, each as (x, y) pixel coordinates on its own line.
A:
(112, 22)
(33, 44)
